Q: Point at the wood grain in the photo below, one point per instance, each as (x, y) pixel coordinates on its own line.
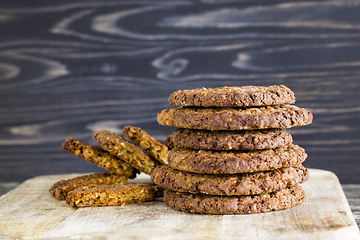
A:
(70, 68)
(324, 215)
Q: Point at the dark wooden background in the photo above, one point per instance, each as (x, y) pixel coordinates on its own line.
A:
(68, 68)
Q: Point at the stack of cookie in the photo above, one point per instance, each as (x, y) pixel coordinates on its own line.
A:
(231, 153)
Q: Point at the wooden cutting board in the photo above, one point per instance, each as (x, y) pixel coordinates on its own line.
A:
(30, 212)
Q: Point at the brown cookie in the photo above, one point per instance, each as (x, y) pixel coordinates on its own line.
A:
(151, 145)
(284, 116)
(112, 195)
(99, 157)
(60, 189)
(233, 96)
(229, 140)
(229, 184)
(230, 162)
(210, 204)
(117, 145)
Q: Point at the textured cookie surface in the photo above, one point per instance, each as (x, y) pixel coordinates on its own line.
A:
(284, 116)
(210, 204)
(117, 145)
(151, 145)
(112, 195)
(229, 140)
(230, 162)
(60, 189)
(99, 157)
(229, 184)
(233, 96)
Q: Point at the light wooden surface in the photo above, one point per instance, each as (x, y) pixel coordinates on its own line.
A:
(29, 211)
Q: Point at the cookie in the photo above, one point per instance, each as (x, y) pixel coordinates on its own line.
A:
(246, 96)
(151, 145)
(284, 116)
(229, 184)
(99, 157)
(210, 204)
(112, 195)
(60, 189)
(230, 162)
(127, 151)
(229, 140)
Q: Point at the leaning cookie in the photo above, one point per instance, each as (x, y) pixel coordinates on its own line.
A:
(99, 157)
(230, 162)
(117, 145)
(210, 204)
(60, 189)
(151, 145)
(112, 195)
(233, 96)
(229, 184)
(283, 116)
(229, 140)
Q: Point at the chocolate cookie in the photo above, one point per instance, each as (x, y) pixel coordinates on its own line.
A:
(99, 157)
(229, 140)
(284, 116)
(151, 145)
(112, 195)
(127, 151)
(233, 96)
(229, 184)
(60, 189)
(230, 162)
(210, 204)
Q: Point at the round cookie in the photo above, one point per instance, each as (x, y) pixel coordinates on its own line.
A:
(210, 204)
(100, 157)
(151, 145)
(229, 140)
(61, 188)
(233, 96)
(230, 162)
(284, 116)
(112, 195)
(125, 150)
(229, 184)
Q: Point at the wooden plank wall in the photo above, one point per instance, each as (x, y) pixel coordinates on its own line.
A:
(68, 68)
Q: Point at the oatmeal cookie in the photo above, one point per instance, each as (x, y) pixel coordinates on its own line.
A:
(151, 145)
(246, 96)
(99, 157)
(229, 184)
(284, 116)
(229, 140)
(211, 204)
(61, 188)
(112, 195)
(230, 162)
(117, 145)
